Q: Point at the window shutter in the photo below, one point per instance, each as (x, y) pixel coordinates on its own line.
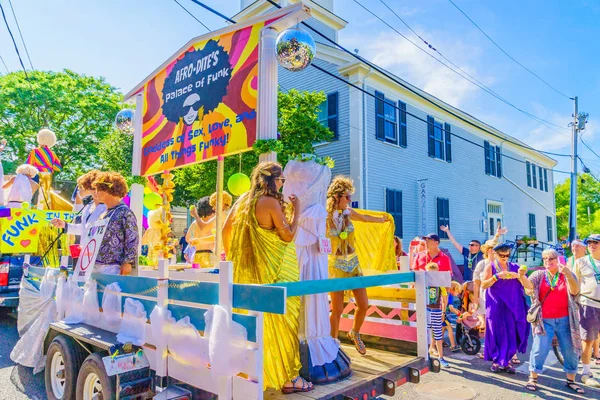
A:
(403, 125)
(528, 174)
(549, 229)
(447, 137)
(332, 114)
(545, 180)
(486, 150)
(534, 176)
(541, 178)
(398, 214)
(389, 201)
(498, 162)
(379, 117)
(430, 136)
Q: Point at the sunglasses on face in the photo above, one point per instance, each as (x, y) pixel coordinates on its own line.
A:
(473, 244)
(503, 256)
(592, 242)
(196, 106)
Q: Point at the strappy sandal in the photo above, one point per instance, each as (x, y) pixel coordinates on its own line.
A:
(358, 343)
(531, 384)
(496, 368)
(306, 386)
(510, 370)
(515, 361)
(574, 387)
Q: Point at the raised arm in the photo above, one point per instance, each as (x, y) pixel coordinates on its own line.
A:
(458, 246)
(356, 216)
(571, 280)
(286, 230)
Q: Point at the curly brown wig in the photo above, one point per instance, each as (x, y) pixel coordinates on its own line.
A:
(86, 181)
(339, 186)
(227, 200)
(112, 183)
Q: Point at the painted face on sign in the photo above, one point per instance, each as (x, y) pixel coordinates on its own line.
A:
(191, 104)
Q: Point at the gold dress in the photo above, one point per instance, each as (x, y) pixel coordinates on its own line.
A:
(259, 256)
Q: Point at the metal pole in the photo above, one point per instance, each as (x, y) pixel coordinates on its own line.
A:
(267, 90)
(573, 203)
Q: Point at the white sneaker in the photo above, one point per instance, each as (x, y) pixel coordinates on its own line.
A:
(589, 380)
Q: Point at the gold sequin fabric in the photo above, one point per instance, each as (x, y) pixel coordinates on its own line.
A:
(344, 267)
(205, 260)
(259, 256)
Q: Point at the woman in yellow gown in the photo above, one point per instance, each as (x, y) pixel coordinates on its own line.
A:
(257, 239)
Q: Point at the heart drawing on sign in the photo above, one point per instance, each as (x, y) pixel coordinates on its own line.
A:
(25, 243)
(18, 213)
(33, 231)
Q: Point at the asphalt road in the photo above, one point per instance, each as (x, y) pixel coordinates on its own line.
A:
(468, 378)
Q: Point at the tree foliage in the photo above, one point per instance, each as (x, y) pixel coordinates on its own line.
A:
(588, 195)
(298, 128)
(78, 108)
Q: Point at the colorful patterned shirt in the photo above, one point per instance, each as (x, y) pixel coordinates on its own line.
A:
(120, 243)
(44, 159)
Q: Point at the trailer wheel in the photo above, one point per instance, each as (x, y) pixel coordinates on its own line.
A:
(93, 383)
(64, 358)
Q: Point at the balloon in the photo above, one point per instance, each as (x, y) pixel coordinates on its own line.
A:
(238, 184)
(147, 190)
(25, 205)
(124, 120)
(295, 49)
(152, 201)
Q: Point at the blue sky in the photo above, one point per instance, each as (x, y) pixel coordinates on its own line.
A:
(125, 40)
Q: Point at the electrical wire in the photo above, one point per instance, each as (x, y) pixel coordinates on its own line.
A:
(20, 33)
(13, 40)
(191, 15)
(588, 147)
(3, 63)
(468, 77)
(402, 84)
(508, 55)
(407, 112)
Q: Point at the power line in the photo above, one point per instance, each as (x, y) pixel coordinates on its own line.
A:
(3, 63)
(588, 147)
(192, 15)
(402, 84)
(397, 108)
(471, 79)
(13, 40)
(20, 33)
(508, 55)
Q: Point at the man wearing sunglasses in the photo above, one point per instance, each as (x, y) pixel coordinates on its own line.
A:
(587, 271)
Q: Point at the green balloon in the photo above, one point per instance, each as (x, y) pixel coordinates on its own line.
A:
(238, 184)
(152, 201)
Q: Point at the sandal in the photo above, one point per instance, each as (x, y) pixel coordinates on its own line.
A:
(306, 386)
(496, 368)
(480, 355)
(574, 387)
(354, 337)
(510, 370)
(454, 349)
(515, 360)
(531, 384)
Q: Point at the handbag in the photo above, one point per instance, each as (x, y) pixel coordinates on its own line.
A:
(533, 314)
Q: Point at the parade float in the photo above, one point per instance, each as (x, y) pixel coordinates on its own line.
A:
(183, 333)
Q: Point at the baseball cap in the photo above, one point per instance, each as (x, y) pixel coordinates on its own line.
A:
(432, 236)
(577, 241)
(593, 236)
(504, 246)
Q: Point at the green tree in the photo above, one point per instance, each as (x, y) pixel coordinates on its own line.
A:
(298, 128)
(588, 195)
(78, 108)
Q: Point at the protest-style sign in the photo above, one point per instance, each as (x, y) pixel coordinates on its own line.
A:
(20, 230)
(89, 251)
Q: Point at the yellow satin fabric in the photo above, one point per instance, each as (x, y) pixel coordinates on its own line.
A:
(205, 260)
(259, 256)
(374, 243)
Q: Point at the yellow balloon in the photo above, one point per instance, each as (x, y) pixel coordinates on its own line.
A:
(147, 190)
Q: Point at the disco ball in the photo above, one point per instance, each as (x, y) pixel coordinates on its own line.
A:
(295, 49)
(124, 120)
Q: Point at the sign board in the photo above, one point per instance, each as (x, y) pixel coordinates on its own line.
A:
(203, 104)
(423, 204)
(89, 250)
(125, 363)
(20, 230)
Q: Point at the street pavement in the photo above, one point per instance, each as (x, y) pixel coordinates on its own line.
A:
(468, 378)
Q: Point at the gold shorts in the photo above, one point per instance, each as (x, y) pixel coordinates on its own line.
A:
(344, 266)
(205, 259)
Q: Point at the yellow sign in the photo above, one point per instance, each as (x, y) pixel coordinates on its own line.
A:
(20, 231)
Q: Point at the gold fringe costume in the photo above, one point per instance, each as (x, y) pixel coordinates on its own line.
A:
(259, 256)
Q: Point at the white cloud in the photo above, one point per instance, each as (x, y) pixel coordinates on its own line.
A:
(403, 59)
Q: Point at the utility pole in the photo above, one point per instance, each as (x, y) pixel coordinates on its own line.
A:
(573, 203)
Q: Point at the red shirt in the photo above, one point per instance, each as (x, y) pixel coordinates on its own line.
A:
(441, 260)
(556, 304)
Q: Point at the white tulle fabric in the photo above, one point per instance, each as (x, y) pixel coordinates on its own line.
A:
(309, 181)
(20, 191)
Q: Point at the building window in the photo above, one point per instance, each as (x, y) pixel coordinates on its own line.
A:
(493, 159)
(439, 143)
(386, 124)
(328, 114)
(393, 206)
(532, 176)
(532, 229)
(545, 180)
(443, 216)
(403, 127)
(528, 173)
(549, 228)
